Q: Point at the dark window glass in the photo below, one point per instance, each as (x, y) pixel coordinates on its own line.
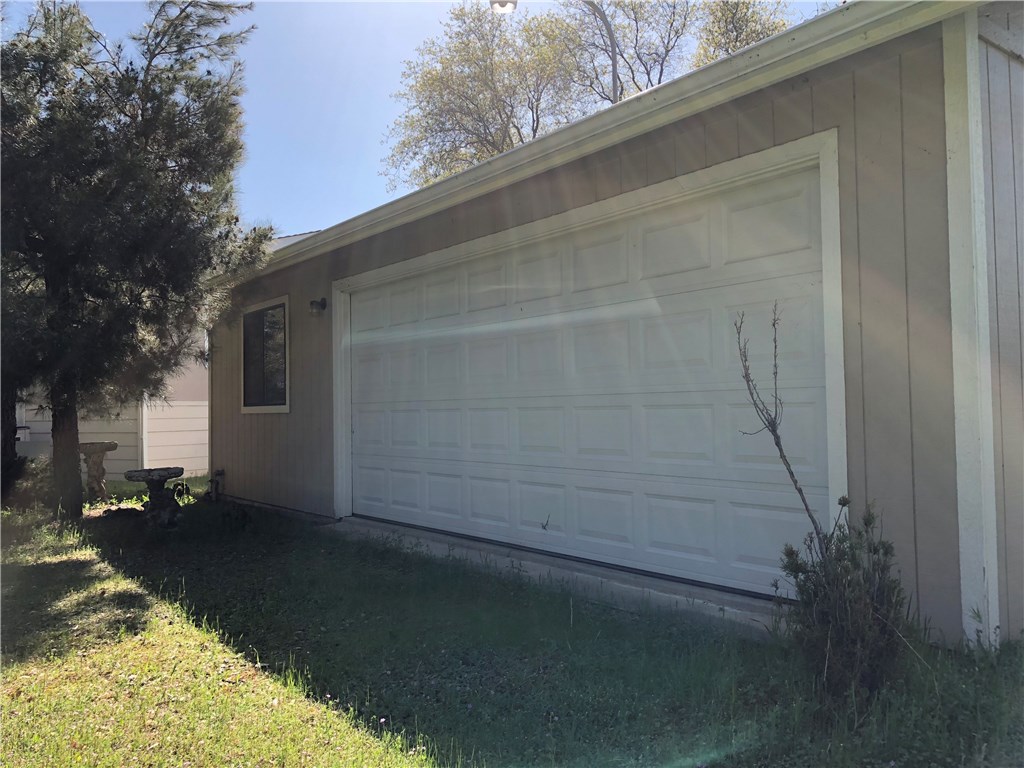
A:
(264, 378)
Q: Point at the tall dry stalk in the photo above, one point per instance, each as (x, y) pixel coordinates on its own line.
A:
(770, 411)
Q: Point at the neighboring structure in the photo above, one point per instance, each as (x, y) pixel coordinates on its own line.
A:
(540, 351)
(171, 432)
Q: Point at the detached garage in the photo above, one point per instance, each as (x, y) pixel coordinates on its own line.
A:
(573, 387)
(541, 352)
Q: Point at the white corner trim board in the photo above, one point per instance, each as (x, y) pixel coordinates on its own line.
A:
(972, 373)
(342, 401)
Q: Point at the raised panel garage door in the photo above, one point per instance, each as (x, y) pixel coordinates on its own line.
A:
(580, 392)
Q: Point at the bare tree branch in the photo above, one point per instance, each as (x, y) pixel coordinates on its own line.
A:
(771, 415)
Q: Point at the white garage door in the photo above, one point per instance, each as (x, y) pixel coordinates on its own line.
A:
(580, 393)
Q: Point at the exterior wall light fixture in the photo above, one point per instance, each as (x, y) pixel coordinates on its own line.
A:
(503, 6)
(317, 306)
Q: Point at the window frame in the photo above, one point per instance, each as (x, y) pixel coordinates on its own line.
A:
(286, 408)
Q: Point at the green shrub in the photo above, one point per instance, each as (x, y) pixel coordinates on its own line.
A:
(848, 618)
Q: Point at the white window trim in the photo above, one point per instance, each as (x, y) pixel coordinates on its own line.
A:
(286, 408)
(819, 150)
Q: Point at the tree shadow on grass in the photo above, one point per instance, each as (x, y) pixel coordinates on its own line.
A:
(487, 667)
(67, 602)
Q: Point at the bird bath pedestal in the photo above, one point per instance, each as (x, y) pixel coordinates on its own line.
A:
(161, 505)
(94, 453)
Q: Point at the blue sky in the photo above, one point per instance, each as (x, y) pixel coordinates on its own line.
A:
(318, 106)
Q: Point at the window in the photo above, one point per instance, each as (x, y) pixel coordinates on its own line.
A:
(265, 357)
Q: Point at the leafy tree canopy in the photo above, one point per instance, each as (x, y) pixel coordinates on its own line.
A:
(489, 83)
(728, 26)
(117, 203)
(652, 43)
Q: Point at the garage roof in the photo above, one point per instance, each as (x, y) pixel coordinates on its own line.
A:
(824, 39)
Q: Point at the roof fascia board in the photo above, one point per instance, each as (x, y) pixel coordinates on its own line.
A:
(836, 35)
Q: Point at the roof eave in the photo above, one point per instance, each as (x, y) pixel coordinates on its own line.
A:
(820, 41)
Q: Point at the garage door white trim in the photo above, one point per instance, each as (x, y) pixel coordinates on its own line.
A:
(342, 401)
(816, 151)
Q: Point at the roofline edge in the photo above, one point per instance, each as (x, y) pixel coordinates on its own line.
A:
(815, 43)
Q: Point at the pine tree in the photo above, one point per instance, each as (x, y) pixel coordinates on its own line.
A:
(117, 205)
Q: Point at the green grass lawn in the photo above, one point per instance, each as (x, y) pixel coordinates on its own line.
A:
(328, 651)
(98, 671)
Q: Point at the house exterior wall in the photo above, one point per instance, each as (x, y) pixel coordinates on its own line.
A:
(191, 385)
(887, 104)
(177, 435)
(125, 430)
(1002, 92)
(174, 432)
(283, 459)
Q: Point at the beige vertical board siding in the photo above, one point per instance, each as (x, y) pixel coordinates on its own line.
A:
(220, 376)
(755, 128)
(632, 165)
(661, 154)
(792, 115)
(297, 473)
(218, 392)
(929, 325)
(225, 402)
(892, 233)
(888, 451)
(177, 435)
(723, 142)
(690, 148)
(236, 476)
(281, 459)
(321, 464)
(1002, 83)
(324, 460)
(834, 108)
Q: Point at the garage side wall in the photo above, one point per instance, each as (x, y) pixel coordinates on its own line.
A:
(887, 104)
(1002, 89)
(281, 459)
